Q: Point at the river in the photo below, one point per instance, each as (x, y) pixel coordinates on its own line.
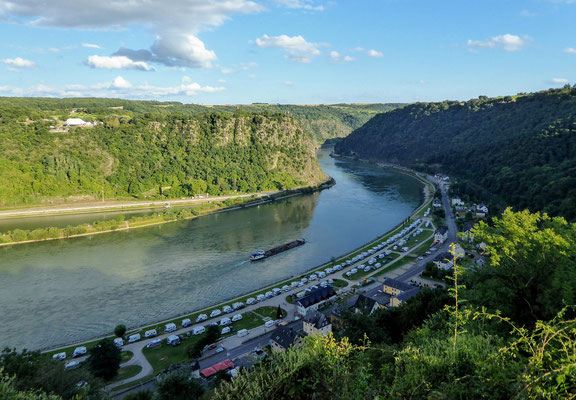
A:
(67, 290)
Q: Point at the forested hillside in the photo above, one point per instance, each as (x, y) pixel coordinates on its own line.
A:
(145, 154)
(518, 151)
(320, 121)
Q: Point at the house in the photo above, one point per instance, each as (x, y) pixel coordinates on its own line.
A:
(481, 210)
(314, 299)
(467, 230)
(457, 201)
(362, 305)
(403, 297)
(393, 287)
(443, 261)
(213, 370)
(283, 337)
(436, 203)
(316, 323)
(442, 177)
(77, 122)
(441, 234)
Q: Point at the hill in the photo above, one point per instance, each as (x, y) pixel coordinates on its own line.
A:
(321, 121)
(147, 155)
(518, 151)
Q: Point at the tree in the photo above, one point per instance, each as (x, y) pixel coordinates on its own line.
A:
(104, 360)
(178, 386)
(120, 330)
(531, 265)
(140, 395)
(279, 312)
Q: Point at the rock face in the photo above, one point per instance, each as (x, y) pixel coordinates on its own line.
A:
(168, 155)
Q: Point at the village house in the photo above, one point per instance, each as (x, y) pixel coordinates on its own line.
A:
(481, 210)
(441, 234)
(316, 323)
(436, 203)
(283, 337)
(457, 201)
(403, 297)
(77, 122)
(393, 287)
(314, 299)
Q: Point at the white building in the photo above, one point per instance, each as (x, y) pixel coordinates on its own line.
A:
(77, 122)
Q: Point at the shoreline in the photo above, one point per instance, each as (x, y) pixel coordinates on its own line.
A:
(426, 201)
(262, 198)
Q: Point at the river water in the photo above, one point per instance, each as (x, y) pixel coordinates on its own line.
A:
(61, 291)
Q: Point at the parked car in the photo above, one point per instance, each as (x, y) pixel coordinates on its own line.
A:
(150, 333)
(225, 330)
(154, 343)
(134, 338)
(171, 327)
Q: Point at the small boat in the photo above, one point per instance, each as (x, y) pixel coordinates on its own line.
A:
(261, 254)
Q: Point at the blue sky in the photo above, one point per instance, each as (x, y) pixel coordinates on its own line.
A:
(285, 51)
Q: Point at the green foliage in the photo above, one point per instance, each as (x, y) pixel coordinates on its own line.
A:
(531, 265)
(35, 372)
(104, 359)
(8, 391)
(140, 395)
(120, 330)
(178, 386)
(194, 350)
(150, 155)
(519, 152)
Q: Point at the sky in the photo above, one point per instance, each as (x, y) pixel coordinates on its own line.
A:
(285, 51)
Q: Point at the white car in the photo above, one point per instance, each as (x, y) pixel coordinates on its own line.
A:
(268, 324)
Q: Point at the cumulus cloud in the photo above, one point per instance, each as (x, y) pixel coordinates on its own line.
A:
(570, 50)
(297, 47)
(18, 62)
(337, 57)
(300, 4)
(175, 26)
(91, 46)
(374, 53)
(558, 81)
(505, 42)
(117, 62)
(119, 87)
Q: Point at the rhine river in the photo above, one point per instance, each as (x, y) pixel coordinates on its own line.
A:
(61, 291)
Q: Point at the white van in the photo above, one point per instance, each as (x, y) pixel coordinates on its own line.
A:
(251, 301)
(215, 313)
(134, 338)
(242, 333)
(186, 322)
(260, 297)
(227, 309)
(225, 330)
(79, 351)
(236, 317)
(201, 317)
(198, 330)
(173, 340)
(119, 342)
(150, 333)
(154, 343)
(225, 321)
(171, 327)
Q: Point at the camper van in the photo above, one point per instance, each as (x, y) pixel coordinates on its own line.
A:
(134, 338)
(79, 351)
(225, 330)
(251, 301)
(150, 333)
(154, 343)
(72, 365)
(186, 322)
(198, 330)
(215, 313)
(171, 327)
(59, 356)
(236, 317)
(119, 342)
(201, 317)
(242, 333)
(173, 340)
(227, 309)
(225, 321)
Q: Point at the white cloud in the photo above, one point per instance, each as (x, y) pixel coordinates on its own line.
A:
(91, 46)
(119, 87)
(300, 4)
(375, 53)
(121, 83)
(570, 50)
(175, 25)
(297, 47)
(505, 42)
(337, 57)
(559, 81)
(18, 62)
(288, 83)
(117, 62)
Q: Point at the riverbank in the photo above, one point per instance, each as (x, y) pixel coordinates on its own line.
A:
(296, 277)
(221, 204)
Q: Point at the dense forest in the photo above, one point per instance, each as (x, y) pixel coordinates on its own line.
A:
(147, 155)
(514, 150)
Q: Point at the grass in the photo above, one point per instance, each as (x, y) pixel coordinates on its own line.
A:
(392, 267)
(249, 320)
(339, 283)
(163, 356)
(126, 356)
(269, 312)
(127, 372)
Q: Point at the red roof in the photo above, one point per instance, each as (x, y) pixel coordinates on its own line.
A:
(221, 366)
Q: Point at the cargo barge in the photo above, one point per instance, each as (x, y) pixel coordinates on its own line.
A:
(262, 254)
